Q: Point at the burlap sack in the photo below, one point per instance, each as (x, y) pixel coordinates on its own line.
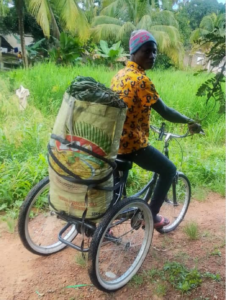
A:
(95, 127)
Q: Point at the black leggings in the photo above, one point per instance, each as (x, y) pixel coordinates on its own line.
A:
(153, 160)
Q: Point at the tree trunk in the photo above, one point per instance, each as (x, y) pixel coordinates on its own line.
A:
(55, 28)
(1, 65)
(19, 7)
(0, 42)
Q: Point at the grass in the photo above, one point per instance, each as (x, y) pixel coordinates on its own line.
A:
(24, 135)
(216, 252)
(137, 280)
(81, 259)
(184, 279)
(192, 231)
(180, 255)
(160, 289)
(200, 193)
(173, 275)
(10, 220)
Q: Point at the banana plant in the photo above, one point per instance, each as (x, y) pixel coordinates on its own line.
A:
(67, 50)
(111, 54)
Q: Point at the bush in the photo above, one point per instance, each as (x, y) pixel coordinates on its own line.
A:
(163, 62)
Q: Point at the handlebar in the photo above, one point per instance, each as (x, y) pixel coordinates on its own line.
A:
(161, 132)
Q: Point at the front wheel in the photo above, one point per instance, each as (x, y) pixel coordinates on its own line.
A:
(120, 244)
(176, 203)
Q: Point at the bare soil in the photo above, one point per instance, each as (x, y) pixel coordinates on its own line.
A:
(25, 276)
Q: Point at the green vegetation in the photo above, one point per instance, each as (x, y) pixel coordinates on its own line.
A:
(183, 279)
(176, 275)
(216, 252)
(119, 18)
(137, 280)
(160, 290)
(81, 259)
(24, 135)
(191, 230)
(111, 54)
(171, 22)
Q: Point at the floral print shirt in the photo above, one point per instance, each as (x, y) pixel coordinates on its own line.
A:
(138, 92)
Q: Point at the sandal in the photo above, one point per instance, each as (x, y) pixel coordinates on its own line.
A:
(162, 223)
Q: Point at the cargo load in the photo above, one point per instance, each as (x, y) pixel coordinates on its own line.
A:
(83, 147)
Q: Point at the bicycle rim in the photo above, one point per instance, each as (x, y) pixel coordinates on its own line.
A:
(175, 212)
(41, 224)
(122, 245)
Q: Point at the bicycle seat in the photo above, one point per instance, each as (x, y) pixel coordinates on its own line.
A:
(123, 165)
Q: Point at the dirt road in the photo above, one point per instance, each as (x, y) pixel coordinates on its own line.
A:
(25, 276)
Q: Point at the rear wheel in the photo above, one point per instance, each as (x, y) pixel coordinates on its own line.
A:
(176, 203)
(39, 225)
(120, 244)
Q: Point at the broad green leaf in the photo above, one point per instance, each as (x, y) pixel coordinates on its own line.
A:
(104, 47)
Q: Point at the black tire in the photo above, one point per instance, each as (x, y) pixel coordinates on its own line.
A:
(177, 213)
(107, 269)
(35, 213)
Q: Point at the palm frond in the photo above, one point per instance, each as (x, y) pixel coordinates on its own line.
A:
(124, 34)
(176, 54)
(168, 4)
(130, 9)
(40, 10)
(165, 17)
(171, 31)
(162, 39)
(174, 51)
(105, 32)
(220, 22)
(198, 33)
(145, 22)
(106, 20)
(141, 8)
(3, 8)
(90, 10)
(73, 18)
(125, 30)
(208, 22)
(118, 9)
(105, 3)
(111, 10)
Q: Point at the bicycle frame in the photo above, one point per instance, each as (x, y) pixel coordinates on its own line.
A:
(149, 187)
(151, 184)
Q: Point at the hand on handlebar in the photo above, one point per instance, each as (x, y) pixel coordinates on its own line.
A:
(195, 128)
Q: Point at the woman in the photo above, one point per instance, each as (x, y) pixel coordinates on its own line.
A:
(139, 93)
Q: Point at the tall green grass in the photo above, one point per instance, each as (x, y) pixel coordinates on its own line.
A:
(48, 82)
(24, 135)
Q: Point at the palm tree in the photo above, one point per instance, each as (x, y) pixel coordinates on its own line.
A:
(119, 18)
(20, 12)
(19, 4)
(71, 16)
(207, 25)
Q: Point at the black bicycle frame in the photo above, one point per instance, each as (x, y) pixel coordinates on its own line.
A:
(151, 184)
(118, 195)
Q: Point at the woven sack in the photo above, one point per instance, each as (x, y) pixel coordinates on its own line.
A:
(95, 128)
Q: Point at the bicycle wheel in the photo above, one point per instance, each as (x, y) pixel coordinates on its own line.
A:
(38, 224)
(176, 203)
(120, 244)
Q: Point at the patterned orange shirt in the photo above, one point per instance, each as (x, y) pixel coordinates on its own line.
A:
(138, 92)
